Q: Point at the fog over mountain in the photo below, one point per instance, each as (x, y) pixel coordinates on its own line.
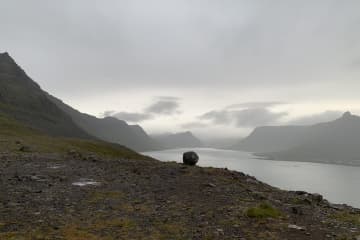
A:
(178, 140)
(215, 68)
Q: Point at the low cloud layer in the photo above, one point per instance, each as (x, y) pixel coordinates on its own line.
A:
(254, 105)
(132, 117)
(194, 125)
(165, 106)
(316, 118)
(256, 117)
(244, 118)
(161, 106)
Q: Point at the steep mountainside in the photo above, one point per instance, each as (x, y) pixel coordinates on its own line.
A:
(22, 99)
(178, 140)
(270, 139)
(333, 142)
(110, 129)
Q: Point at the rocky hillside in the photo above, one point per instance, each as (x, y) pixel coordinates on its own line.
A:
(77, 196)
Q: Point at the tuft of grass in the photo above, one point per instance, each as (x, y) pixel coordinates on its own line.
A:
(164, 231)
(264, 210)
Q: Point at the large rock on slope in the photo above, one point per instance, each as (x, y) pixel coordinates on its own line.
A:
(190, 158)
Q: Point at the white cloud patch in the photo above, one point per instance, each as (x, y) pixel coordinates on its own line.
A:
(316, 118)
(194, 125)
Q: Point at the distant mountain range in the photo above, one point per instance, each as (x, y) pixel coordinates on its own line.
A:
(110, 129)
(23, 99)
(331, 142)
(178, 140)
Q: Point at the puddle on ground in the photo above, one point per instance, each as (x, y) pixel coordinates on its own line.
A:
(85, 182)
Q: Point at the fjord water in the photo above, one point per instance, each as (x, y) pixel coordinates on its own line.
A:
(337, 183)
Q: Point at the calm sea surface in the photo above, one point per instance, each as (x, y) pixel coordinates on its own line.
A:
(337, 183)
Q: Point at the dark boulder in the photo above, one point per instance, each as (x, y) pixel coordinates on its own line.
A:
(190, 158)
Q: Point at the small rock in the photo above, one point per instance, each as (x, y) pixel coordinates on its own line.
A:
(211, 185)
(293, 226)
(297, 210)
(317, 197)
(24, 148)
(300, 192)
(252, 180)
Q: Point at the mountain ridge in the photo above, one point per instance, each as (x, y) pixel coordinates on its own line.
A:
(178, 140)
(23, 99)
(110, 129)
(329, 142)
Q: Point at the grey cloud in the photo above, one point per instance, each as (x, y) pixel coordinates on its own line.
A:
(168, 98)
(162, 106)
(193, 125)
(251, 117)
(355, 64)
(316, 118)
(217, 116)
(108, 113)
(181, 43)
(256, 117)
(255, 105)
(165, 107)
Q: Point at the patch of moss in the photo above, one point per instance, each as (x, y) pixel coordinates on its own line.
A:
(101, 196)
(348, 218)
(264, 210)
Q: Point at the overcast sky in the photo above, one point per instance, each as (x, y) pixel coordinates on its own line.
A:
(213, 67)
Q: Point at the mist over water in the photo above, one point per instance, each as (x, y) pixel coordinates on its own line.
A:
(337, 183)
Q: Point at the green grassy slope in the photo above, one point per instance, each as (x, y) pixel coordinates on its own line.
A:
(14, 135)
